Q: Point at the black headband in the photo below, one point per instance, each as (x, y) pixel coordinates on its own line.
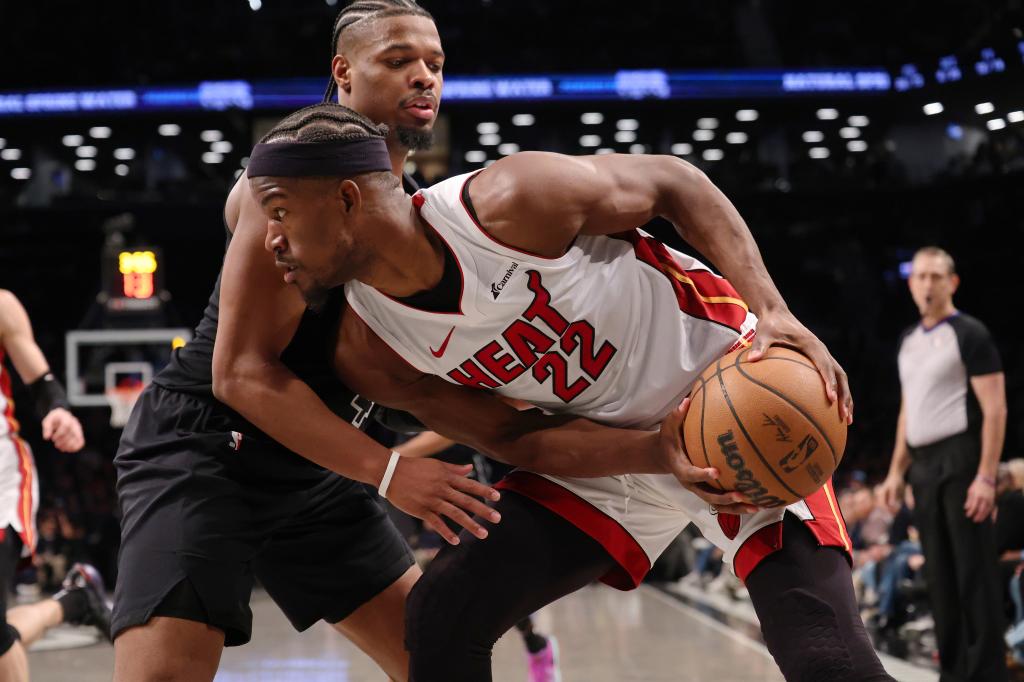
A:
(332, 159)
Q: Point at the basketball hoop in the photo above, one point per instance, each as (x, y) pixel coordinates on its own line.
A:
(121, 400)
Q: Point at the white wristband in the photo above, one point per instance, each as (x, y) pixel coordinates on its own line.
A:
(388, 473)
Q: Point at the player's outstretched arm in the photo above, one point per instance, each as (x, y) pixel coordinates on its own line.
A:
(59, 425)
(259, 315)
(560, 445)
(539, 202)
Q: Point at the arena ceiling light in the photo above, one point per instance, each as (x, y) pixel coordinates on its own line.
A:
(86, 152)
(1015, 116)
(858, 121)
(983, 108)
(508, 148)
(222, 147)
(604, 150)
(244, 163)
(100, 132)
(637, 149)
(169, 129)
(703, 135)
(592, 118)
(121, 169)
(490, 140)
(85, 165)
(736, 138)
(212, 157)
(746, 115)
(124, 153)
(487, 128)
(707, 123)
(590, 141)
(933, 108)
(10, 154)
(625, 136)
(713, 154)
(211, 136)
(818, 152)
(627, 124)
(828, 114)
(3, 143)
(72, 140)
(813, 136)
(857, 145)
(849, 132)
(995, 124)
(255, 5)
(21, 173)
(476, 156)
(523, 120)
(682, 148)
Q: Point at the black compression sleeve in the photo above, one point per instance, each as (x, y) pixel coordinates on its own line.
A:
(47, 394)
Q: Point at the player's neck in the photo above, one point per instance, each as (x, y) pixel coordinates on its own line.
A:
(410, 258)
(933, 317)
(398, 155)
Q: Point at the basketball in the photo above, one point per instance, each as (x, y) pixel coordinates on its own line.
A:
(767, 426)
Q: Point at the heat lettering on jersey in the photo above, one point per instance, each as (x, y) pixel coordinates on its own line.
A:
(543, 341)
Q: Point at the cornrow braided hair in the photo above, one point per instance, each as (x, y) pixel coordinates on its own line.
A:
(360, 10)
(324, 122)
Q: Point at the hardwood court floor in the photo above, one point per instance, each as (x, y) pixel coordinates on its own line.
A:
(605, 636)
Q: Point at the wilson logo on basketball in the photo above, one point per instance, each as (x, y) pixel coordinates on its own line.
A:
(746, 482)
(543, 341)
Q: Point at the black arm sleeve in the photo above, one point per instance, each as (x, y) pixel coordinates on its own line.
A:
(47, 394)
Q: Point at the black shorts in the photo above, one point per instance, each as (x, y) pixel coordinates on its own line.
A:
(205, 503)
(10, 554)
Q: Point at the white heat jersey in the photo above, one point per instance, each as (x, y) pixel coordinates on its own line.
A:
(617, 329)
(19, 488)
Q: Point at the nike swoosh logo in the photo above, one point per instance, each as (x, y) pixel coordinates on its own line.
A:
(444, 346)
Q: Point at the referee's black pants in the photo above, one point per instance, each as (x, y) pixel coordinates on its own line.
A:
(961, 564)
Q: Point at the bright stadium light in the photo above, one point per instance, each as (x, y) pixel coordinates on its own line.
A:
(590, 141)
(604, 150)
(983, 108)
(85, 165)
(10, 154)
(124, 153)
(86, 152)
(21, 173)
(212, 157)
(736, 138)
(476, 156)
(637, 149)
(746, 115)
(592, 118)
(849, 132)
(828, 114)
(100, 132)
(487, 128)
(508, 148)
(222, 147)
(121, 169)
(713, 154)
(169, 129)
(627, 124)
(995, 124)
(1015, 116)
(702, 135)
(707, 123)
(523, 120)
(682, 148)
(813, 136)
(211, 136)
(857, 145)
(858, 121)
(625, 136)
(818, 152)
(933, 108)
(72, 140)
(490, 139)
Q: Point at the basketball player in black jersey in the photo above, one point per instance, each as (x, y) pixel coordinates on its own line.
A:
(243, 459)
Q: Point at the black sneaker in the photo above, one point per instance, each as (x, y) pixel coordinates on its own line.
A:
(86, 578)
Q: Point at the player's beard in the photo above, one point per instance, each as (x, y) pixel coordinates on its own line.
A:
(415, 139)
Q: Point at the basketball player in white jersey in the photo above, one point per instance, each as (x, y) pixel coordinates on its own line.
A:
(529, 280)
(82, 601)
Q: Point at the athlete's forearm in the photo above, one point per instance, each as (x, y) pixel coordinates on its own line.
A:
(278, 403)
(706, 219)
(900, 454)
(993, 433)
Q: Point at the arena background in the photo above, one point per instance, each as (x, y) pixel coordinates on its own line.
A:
(878, 127)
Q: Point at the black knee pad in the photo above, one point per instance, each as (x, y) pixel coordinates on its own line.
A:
(805, 639)
(8, 636)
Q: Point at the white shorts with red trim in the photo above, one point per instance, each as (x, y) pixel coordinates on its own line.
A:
(19, 490)
(635, 517)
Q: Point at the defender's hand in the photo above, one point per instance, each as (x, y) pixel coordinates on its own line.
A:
(429, 489)
(781, 328)
(61, 427)
(694, 479)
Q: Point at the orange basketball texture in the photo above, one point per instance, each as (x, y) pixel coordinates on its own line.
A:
(767, 426)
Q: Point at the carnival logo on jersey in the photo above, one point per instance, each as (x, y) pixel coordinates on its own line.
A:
(543, 341)
(497, 287)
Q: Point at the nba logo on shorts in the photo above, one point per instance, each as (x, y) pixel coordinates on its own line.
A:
(236, 441)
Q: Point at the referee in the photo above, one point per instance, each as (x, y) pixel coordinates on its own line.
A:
(950, 434)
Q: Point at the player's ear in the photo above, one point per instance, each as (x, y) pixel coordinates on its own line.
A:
(342, 72)
(349, 196)
(955, 281)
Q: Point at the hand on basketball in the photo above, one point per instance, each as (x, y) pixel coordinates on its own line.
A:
(695, 479)
(781, 328)
(981, 500)
(430, 489)
(61, 427)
